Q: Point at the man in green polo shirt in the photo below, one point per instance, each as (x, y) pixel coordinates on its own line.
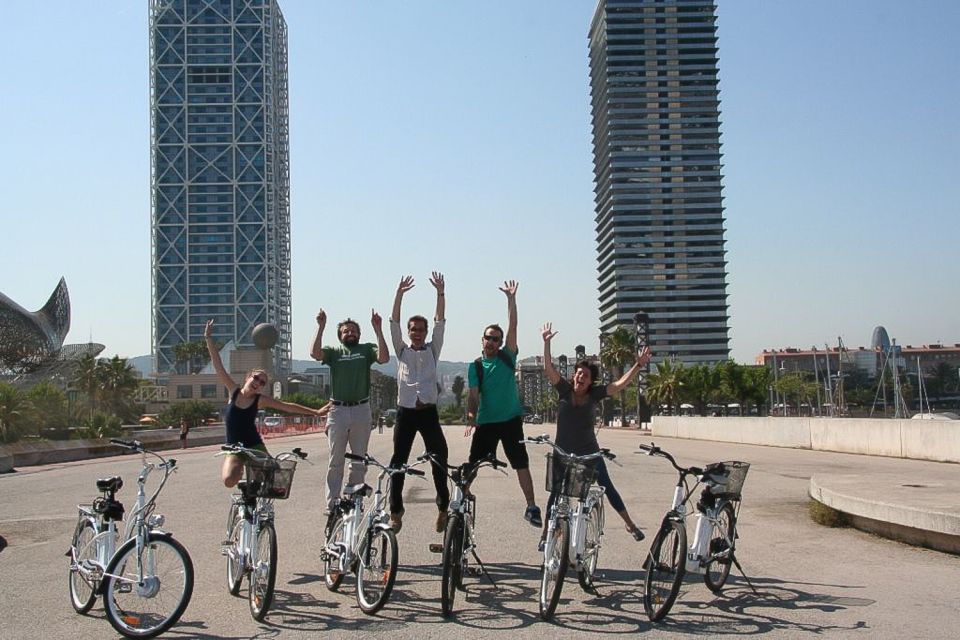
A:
(493, 406)
(349, 419)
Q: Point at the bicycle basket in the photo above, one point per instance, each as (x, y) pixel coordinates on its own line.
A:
(271, 479)
(569, 477)
(726, 478)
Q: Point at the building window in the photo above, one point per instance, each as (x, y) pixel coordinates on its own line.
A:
(208, 390)
(184, 391)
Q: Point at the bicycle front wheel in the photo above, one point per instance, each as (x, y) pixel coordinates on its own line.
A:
(263, 572)
(593, 524)
(332, 565)
(145, 594)
(376, 570)
(721, 549)
(554, 567)
(83, 591)
(452, 563)
(235, 553)
(665, 569)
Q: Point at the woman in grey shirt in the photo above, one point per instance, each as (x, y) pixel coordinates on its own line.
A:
(575, 416)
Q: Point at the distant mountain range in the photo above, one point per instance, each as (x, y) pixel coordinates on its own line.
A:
(144, 364)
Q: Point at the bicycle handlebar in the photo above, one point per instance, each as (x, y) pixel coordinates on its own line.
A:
(654, 450)
(545, 439)
(368, 460)
(257, 454)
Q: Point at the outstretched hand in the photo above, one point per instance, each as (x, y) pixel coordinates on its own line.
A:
(376, 320)
(208, 330)
(436, 279)
(322, 318)
(547, 332)
(510, 288)
(643, 356)
(406, 283)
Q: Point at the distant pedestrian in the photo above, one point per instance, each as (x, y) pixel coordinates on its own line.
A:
(184, 430)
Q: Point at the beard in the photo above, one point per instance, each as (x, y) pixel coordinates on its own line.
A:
(351, 341)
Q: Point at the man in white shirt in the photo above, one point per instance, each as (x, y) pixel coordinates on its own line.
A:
(417, 392)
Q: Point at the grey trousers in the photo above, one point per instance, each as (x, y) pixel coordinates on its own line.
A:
(346, 425)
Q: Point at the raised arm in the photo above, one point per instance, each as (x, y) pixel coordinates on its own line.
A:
(436, 279)
(552, 375)
(383, 356)
(225, 378)
(510, 289)
(316, 349)
(406, 283)
(292, 407)
(642, 358)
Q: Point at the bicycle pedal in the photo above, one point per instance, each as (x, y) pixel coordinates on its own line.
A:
(436, 547)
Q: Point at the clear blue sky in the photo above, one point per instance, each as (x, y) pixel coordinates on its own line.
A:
(466, 127)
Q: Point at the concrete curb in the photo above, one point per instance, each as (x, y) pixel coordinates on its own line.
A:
(915, 513)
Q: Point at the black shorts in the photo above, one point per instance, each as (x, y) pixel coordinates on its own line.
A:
(510, 433)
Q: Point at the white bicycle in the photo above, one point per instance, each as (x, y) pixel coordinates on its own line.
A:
(713, 550)
(147, 582)
(575, 525)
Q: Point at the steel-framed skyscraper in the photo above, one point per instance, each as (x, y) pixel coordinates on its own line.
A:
(220, 173)
(656, 144)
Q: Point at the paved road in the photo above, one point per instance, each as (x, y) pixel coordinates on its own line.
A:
(812, 581)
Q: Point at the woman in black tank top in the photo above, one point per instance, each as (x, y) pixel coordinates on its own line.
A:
(240, 415)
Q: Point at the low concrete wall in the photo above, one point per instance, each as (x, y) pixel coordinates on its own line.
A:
(918, 439)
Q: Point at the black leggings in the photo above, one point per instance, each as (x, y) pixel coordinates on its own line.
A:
(427, 422)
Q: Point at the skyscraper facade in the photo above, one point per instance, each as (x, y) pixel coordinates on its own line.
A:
(656, 144)
(220, 179)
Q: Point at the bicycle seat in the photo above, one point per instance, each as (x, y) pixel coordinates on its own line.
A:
(112, 484)
(362, 489)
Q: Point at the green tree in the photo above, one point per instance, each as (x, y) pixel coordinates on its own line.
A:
(48, 408)
(118, 382)
(191, 357)
(700, 385)
(195, 412)
(86, 380)
(13, 408)
(665, 385)
(306, 399)
(619, 349)
(101, 425)
(457, 390)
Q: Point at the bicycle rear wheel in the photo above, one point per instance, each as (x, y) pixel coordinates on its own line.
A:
(144, 608)
(554, 567)
(376, 569)
(721, 544)
(83, 591)
(235, 559)
(452, 563)
(332, 566)
(665, 569)
(263, 572)
(593, 523)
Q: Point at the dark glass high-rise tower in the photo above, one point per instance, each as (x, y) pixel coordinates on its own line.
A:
(656, 145)
(220, 179)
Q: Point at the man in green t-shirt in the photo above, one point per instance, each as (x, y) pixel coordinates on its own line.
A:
(493, 406)
(349, 419)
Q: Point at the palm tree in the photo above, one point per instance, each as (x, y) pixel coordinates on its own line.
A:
(619, 349)
(666, 384)
(457, 390)
(13, 406)
(85, 379)
(701, 383)
(118, 382)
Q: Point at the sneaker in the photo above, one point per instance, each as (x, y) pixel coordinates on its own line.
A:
(542, 545)
(441, 521)
(396, 522)
(532, 515)
(636, 533)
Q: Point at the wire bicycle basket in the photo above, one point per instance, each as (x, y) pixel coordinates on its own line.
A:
(569, 477)
(270, 478)
(725, 479)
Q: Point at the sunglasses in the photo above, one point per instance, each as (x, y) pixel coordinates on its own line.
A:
(492, 338)
(260, 380)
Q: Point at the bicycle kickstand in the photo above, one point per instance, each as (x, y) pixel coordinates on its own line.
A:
(745, 577)
(483, 569)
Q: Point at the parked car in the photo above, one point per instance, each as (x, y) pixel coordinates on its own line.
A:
(533, 418)
(272, 422)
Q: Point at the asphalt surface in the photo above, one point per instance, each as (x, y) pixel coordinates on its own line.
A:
(811, 581)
